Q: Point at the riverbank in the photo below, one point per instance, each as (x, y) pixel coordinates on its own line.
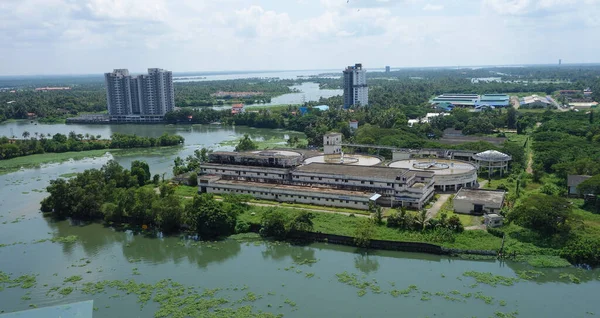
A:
(37, 160)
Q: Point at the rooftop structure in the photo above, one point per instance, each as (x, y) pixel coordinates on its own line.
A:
(237, 108)
(573, 181)
(356, 91)
(383, 173)
(456, 99)
(583, 105)
(449, 174)
(478, 201)
(321, 107)
(495, 100)
(534, 101)
(267, 158)
(493, 160)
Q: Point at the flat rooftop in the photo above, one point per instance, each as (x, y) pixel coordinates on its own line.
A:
(480, 195)
(437, 166)
(387, 173)
(258, 154)
(266, 186)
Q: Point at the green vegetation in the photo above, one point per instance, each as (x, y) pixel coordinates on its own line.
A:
(60, 143)
(491, 279)
(246, 144)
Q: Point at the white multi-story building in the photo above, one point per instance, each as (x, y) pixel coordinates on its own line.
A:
(139, 98)
(356, 91)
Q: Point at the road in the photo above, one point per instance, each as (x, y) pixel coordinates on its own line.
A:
(433, 211)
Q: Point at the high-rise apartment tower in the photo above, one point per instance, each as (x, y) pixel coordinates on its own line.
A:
(145, 97)
(356, 91)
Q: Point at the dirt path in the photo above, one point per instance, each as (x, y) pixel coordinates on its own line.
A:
(529, 163)
(482, 184)
(433, 211)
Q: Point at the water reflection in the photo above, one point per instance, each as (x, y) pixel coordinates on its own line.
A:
(364, 263)
(281, 250)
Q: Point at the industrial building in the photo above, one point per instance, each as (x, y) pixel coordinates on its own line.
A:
(142, 98)
(356, 91)
(471, 100)
(534, 101)
(268, 175)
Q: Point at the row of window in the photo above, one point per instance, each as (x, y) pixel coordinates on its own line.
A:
(286, 196)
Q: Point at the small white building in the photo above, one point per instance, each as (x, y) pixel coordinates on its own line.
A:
(492, 160)
(332, 144)
(353, 124)
(478, 201)
(493, 220)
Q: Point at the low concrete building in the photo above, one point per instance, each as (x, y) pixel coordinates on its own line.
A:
(573, 181)
(478, 201)
(493, 220)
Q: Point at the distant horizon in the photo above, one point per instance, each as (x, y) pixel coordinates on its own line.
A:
(226, 72)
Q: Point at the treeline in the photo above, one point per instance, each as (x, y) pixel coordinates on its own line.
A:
(118, 195)
(197, 94)
(11, 148)
(567, 143)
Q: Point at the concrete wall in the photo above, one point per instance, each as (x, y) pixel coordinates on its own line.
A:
(466, 206)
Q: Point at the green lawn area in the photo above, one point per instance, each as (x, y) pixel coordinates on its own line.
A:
(523, 94)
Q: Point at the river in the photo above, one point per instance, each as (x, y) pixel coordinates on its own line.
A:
(297, 281)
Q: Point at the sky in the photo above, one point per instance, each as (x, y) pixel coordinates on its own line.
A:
(96, 36)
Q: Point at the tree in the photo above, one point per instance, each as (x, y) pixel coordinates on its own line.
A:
(193, 179)
(302, 222)
(511, 118)
(273, 224)
(246, 144)
(145, 169)
(590, 186)
(25, 134)
(209, 218)
(377, 212)
(364, 232)
(167, 213)
(544, 214)
(421, 220)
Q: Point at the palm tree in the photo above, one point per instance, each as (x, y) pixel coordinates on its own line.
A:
(25, 134)
(422, 219)
(36, 134)
(87, 136)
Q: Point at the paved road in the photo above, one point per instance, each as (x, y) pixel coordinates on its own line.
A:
(433, 211)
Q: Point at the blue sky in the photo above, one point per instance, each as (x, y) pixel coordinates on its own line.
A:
(95, 36)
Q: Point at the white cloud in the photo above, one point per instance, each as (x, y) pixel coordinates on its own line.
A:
(433, 7)
(83, 36)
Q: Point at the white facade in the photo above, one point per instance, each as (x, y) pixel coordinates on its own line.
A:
(332, 144)
(478, 201)
(356, 91)
(150, 95)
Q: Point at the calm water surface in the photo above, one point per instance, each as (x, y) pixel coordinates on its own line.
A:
(249, 265)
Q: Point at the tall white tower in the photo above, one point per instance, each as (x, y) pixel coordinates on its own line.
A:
(356, 91)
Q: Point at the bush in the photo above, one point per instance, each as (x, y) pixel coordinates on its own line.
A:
(502, 186)
(495, 232)
(273, 224)
(582, 251)
(193, 179)
(242, 227)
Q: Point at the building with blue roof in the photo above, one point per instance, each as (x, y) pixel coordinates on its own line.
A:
(494, 100)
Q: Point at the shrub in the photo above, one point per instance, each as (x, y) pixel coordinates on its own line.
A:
(495, 232)
(502, 186)
(582, 251)
(242, 227)
(193, 179)
(273, 224)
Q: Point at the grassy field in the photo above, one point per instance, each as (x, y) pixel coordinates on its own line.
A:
(271, 143)
(345, 225)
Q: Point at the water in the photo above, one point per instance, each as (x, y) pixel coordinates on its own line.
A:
(243, 75)
(249, 266)
(160, 160)
(308, 92)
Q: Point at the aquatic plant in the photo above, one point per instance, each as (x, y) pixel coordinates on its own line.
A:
(491, 279)
(574, 279)
(66, 291)
(529, 274)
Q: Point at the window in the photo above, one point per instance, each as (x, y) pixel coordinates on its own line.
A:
(389, 184)
(362, 182)
(347, 201)
(312, 178)
(320, 179)
(371, 182)
(336, 180)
